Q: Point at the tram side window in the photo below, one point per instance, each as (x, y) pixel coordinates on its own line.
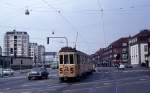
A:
(71, 59)
(66, 61)
(78, 59)
(61, 59)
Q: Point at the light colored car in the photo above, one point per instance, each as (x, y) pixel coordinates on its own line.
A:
(122, 67)
(8, 72)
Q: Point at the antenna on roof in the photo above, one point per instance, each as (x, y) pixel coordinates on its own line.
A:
(76, 41)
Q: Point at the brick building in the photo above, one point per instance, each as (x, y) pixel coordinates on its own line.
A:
(107, 56)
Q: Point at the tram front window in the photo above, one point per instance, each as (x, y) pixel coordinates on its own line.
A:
(71, 59)
(66, 61)
(61, 59)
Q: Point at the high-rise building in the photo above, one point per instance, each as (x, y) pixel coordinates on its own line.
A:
(33, 52)
(16, 44)
(41, 51)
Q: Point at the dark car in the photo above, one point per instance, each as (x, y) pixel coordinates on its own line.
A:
(38, 73)
(128, 66)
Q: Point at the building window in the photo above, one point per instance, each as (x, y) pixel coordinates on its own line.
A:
(11, 50)
(11, 61)
(124, 50)
(146, 48)
(15, 37)
(124, 44)
(124, 56)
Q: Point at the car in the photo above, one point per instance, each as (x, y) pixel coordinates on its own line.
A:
(38, 73)
(128, 66)
(8, 72)
(122, 67)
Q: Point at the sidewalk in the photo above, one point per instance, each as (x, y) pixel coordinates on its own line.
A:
(114, 69)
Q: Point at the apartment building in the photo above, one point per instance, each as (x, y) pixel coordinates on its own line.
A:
(33, 52)
(120, 51)
(116, 53)
(41, 51)
(139, 47)
(16, 43)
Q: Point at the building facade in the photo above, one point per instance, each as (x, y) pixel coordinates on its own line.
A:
(120, 51)
(16, 62)
(0, 51)
(41, 51)
(16, 44)
(33, 52)
(139, 47)
(116, 53)
(51, 58)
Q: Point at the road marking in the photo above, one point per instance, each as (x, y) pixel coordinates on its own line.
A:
(81, 89)
(105, 86)
(26, 92)
(25, 85)
(107, 83)
(7, 89)
(142, 79)
(53, 87)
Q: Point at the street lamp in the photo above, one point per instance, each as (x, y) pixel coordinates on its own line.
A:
(27, 12)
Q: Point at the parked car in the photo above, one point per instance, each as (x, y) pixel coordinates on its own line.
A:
(122, 67)
(128, 66)
(38, 73)
(8, 72)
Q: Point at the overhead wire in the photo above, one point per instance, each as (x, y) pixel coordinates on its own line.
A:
(63, 17)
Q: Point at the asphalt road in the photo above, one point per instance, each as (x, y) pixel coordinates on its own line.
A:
(104, 80)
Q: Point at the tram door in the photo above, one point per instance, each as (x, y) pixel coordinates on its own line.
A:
(78, 64)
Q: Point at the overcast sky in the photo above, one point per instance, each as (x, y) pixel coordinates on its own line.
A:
(95, 29)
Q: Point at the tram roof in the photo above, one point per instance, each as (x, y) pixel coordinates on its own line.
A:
(70, 49)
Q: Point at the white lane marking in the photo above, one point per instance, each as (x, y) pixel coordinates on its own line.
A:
(25, 85)
(105, 86)
(131, 83)
(26, 92)
(54, 87)
(1, 92)
(107, 83)
(7, 89)
(81, 89)
(142, 79)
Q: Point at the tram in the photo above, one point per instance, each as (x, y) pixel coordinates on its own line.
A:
(74, 64)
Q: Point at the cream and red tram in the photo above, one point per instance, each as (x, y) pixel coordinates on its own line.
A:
(73, 64)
